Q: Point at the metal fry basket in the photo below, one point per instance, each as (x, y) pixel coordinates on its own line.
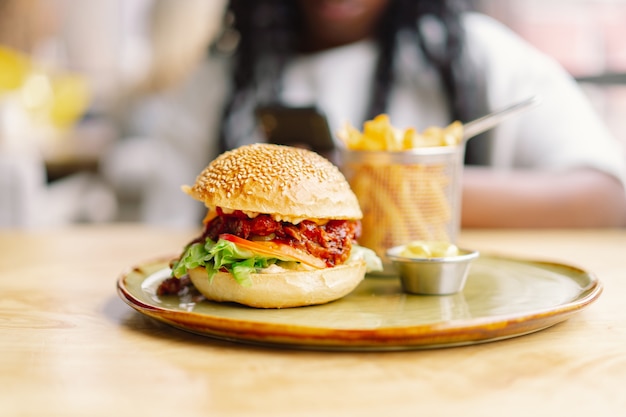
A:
(406, 195)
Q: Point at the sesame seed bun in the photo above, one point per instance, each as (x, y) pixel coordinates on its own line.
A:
(287, 182)
(282, 289)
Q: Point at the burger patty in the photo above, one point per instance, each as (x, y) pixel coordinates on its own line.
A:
(331, 242)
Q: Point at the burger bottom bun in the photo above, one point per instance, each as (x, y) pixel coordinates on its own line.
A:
(283, 289)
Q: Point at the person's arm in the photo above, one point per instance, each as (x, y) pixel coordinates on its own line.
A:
(578, 198)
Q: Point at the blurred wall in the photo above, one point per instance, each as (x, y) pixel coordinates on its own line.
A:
(119, 49)
(128, 45)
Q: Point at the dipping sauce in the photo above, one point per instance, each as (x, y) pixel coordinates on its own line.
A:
(429, 249)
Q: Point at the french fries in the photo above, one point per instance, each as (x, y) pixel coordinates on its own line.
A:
(408, 200)
(379, 135)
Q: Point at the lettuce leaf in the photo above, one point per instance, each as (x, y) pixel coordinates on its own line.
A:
(214, 256)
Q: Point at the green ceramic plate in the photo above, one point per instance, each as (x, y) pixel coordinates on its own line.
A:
(503, 298)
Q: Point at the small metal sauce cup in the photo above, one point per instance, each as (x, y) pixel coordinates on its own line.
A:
(432, 276)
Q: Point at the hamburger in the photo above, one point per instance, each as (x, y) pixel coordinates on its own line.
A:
(281, 230)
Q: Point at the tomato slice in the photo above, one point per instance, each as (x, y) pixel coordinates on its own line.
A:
(276, 250)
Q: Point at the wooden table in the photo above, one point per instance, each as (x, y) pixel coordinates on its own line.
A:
(69, 346)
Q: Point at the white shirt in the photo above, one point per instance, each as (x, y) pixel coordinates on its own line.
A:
(562, 133)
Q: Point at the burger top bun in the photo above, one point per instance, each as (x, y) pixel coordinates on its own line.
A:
(287, 182)
(282, 289)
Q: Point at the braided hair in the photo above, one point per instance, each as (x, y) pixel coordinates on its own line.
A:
(268, 37)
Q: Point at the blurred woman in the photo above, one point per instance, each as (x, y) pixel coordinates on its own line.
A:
(423, 63)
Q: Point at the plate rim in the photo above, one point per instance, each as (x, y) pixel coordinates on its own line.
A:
(457, 332)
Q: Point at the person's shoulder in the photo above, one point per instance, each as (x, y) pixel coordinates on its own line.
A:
(485, 29)
(481, 23)
(489, 40)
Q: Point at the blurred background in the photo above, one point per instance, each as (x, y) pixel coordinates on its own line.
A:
(588, 37)
(71, 69)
